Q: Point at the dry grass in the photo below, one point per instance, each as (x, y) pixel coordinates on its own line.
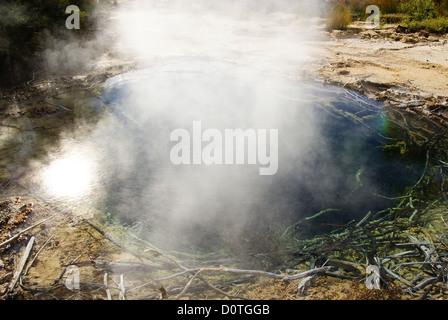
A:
(339, 17)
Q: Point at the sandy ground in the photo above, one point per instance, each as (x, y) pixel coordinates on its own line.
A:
(405, 70)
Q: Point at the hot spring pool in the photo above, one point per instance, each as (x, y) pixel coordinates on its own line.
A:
(331, 156)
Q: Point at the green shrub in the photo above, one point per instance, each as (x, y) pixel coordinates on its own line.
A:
(419, 9)
(437, 25)
(395, 18)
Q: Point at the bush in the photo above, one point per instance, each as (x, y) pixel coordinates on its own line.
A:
(442, 8)
(419, 9)
(395, 18)
(438, 25)
(358, 8)
(388, 6)
(339, 17)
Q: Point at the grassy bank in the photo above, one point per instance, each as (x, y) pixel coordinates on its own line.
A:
(417, 15)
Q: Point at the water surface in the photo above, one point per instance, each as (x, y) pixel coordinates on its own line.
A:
(116, 158)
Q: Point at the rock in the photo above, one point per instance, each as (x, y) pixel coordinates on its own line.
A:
(340, 64)
(388, 33)
(432, 39)
(409, 39)
(338, 33)
(395, 36)
(423, 33)
(402, 29)
(369, 34)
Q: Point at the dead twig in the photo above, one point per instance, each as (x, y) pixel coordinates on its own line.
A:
(25, 230)
(64, 269)
(122, 247)
(55, 105)
(35, 256)
(23, 261)
(109, 296)
(305, 284)
(122, 294)
(219, 290)
(271, 275)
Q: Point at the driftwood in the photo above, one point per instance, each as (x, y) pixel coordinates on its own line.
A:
(304, 284)
(122, 294)
(253, 272)
(109, 296)
(35, 256)
(22, 264)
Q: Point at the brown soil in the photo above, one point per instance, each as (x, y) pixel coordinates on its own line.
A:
(67, 240)
(62, 240)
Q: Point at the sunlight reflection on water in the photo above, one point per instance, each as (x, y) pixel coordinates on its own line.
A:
(71, 175)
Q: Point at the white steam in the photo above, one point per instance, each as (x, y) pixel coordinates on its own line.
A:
(206, 61)
(226, 64)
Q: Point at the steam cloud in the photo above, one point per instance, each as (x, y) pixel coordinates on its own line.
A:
(205, 61)
(227, 64)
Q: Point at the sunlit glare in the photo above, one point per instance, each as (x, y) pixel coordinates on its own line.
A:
(70, 176)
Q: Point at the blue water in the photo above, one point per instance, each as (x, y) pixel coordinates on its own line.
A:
(329, 155)
(114, 156)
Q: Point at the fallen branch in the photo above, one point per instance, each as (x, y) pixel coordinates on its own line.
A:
(122, 294)
(397, 277)
(219, 290)
(25, 230)
(305, 283)
(122, 247)
(271, 275)
(35, 256)
(189, 284)
(424, 284)
(64, 269)
(109, 296)
(55, 105)
(121, 266)
(23, 261)
(437, 279)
